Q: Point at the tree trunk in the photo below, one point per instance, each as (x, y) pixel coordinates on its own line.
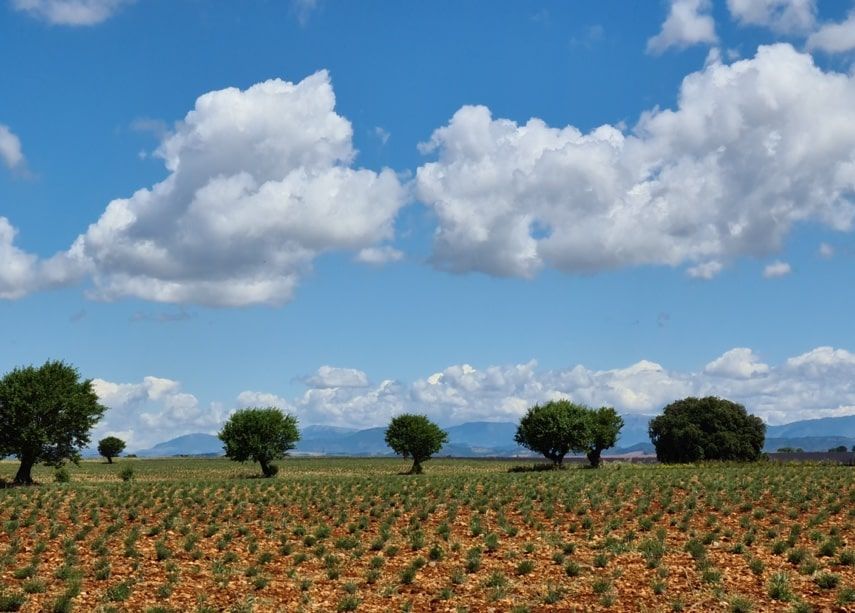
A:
(557, 461)
(417, 467)
(109, 460)
(594, 457)
(24, 474)
(265, 468)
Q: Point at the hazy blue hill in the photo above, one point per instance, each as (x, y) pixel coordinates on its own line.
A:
(827, 426)
(484, 438)
(808, 443)
(483, 434)
(189, 444)
(311, 433)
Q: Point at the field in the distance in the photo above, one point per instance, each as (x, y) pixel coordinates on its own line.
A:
(338, 534)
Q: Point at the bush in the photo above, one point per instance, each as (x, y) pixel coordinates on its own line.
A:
(711, 428)
(62, 475)
(126, 474)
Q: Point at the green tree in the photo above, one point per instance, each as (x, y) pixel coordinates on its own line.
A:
(604, 425)
(555, 429)
(710, 428)
(415, 436)
(110, 447)
(838, 449)
(46, 414)
(259, 435)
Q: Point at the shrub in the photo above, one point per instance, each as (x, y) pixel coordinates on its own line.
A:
(61, 475)
(709, 428)
(126, 473)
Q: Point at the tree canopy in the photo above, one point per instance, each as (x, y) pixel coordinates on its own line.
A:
(46, 414)
(110, 447)
(710, 428)
(415, 436)
(259, 435)
(555, 429)
(604, 425)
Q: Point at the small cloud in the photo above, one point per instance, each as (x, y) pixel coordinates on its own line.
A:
(70, 12)
(541, 16)
(303, 9)
(706, 270)
(688, 23)
(77, 316)
(379, 255)
(156, 127)
(161, 318)
(834, 37)
(826, 251)
(11, 153)
(382, 135)
(591, 35)
(777, 269)
(662, 319)
(332, 377)
(780, 16)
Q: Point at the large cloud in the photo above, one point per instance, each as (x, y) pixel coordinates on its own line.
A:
(260, 183)
(71, 12)
(781, 16)
(818, 383)
(751, 149)
(688, 23)
(151, 411)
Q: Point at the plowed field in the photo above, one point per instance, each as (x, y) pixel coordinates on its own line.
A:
(327, 535)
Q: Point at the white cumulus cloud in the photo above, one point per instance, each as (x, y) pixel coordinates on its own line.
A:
(776, 269)
(688, 23)
(22, 273)
(781, 16)
(817, 383)
(152, 411)
(71, 12)
(260, 183)
(752, 148)
(10, 148)
(330, 376)
(834, 37)
(739, 363)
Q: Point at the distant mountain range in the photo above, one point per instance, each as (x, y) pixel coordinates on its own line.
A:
(485, 439)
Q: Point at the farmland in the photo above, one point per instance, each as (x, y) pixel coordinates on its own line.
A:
(337, 534)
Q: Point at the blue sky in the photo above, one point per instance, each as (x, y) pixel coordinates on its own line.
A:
(454, 208)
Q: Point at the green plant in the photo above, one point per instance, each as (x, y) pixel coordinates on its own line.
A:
(709, 428)
(259, 435)
(47, 413)
(126, 473)
(416, 437)
(110, 447)
(779, 587)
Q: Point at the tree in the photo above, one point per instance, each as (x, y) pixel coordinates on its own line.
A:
(555, 429)
(46, 414)
(415, 436)
(259, 435)
(604, 425)
(111, 447)
(710, 428)
(838, 449)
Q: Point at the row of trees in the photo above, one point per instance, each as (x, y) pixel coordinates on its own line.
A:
(46, 414)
